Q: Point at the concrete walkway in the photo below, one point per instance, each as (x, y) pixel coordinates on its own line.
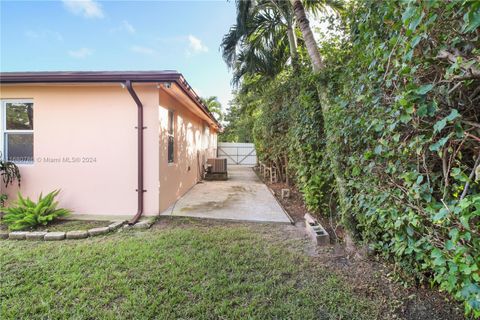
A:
(243, 197)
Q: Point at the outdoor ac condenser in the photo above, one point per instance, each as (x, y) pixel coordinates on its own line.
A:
(217, 165)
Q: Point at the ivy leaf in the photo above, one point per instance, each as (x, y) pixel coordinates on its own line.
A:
(453, 115)
(419, 179)
(424, 89)
(472, 21)
(439, 144)
(422, 111)
(439, 260)
(439, 125)
(414, 23)
(405, 118)
(408, 13)
(464, 220)
(440, 215)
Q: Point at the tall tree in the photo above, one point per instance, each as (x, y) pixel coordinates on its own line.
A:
(318, 66)
(214, 106)
(307, 33)
(259, 41)
(264, 39)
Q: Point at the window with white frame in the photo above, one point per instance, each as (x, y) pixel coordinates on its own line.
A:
(17, 131)
(171, 137)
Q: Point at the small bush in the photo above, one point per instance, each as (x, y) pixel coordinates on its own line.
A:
(26, 214)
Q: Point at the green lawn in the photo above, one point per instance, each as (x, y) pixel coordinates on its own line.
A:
(181, 270)
(70, 225)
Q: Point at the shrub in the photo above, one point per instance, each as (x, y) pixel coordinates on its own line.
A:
(26, 214)
(9, 172)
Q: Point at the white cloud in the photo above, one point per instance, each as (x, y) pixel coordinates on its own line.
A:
(42, 34)
(195, 45)
(80, 53)
(85, 8)
(125, 27)
(128, 27)
(143, 50)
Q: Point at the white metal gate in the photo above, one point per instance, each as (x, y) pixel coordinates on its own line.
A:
(237, 153)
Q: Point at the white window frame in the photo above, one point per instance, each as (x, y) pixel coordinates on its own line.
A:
(4, 131)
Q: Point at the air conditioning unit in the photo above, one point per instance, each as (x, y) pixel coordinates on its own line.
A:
(216, 169)
(217, 165)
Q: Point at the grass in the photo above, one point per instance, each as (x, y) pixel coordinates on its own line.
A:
(71, 225)
(178, 271)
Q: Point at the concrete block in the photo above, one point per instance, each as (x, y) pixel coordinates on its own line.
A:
(77, 234)
(285, 193)
(36, 235)
(115, 225)
(3, 234)
(316, 230)
(309, 219)
(17, 235)
(54, 236)
(98, 231)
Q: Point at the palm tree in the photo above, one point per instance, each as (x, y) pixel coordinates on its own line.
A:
(307, 33)
(318, 66)
(214, 106)
(259, 42)
(264, 38)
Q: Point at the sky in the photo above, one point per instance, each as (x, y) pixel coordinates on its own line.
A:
(93, 35)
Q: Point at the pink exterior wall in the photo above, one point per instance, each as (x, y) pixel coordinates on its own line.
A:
(98, 121)
(195, 141)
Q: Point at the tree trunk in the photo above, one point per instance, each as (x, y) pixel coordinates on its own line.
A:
(310, 42)
(292, 41)
(331, 145)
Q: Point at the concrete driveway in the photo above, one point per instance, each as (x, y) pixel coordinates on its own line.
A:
(243, 197)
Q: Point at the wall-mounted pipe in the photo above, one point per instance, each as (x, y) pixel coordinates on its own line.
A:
(140, 129)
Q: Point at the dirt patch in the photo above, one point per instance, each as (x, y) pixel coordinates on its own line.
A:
(238, 189)
(295, 207)
(369, 276)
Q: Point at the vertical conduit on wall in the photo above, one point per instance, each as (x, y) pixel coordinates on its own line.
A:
(140, 128)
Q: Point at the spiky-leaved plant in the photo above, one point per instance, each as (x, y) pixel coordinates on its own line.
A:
(25, 213)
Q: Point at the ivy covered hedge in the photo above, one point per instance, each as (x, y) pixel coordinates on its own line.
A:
(404, 89)
(403, 92)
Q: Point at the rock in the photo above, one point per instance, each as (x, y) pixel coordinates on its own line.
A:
(17, 235)
(3, 234)
(77, 234)
(285, 193)
(145, 224)
(115, 225)
(126, 226)
(36, 235)
(98, 231)
(54, 236)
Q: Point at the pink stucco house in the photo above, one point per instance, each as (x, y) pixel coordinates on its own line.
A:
(121, 144)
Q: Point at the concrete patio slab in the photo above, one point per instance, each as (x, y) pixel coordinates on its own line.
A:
(242, 197)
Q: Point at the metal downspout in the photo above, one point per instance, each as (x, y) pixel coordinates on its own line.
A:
(140, 128)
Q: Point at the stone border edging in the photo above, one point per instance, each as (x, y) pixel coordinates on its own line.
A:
(75, 234)
(60, 235)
